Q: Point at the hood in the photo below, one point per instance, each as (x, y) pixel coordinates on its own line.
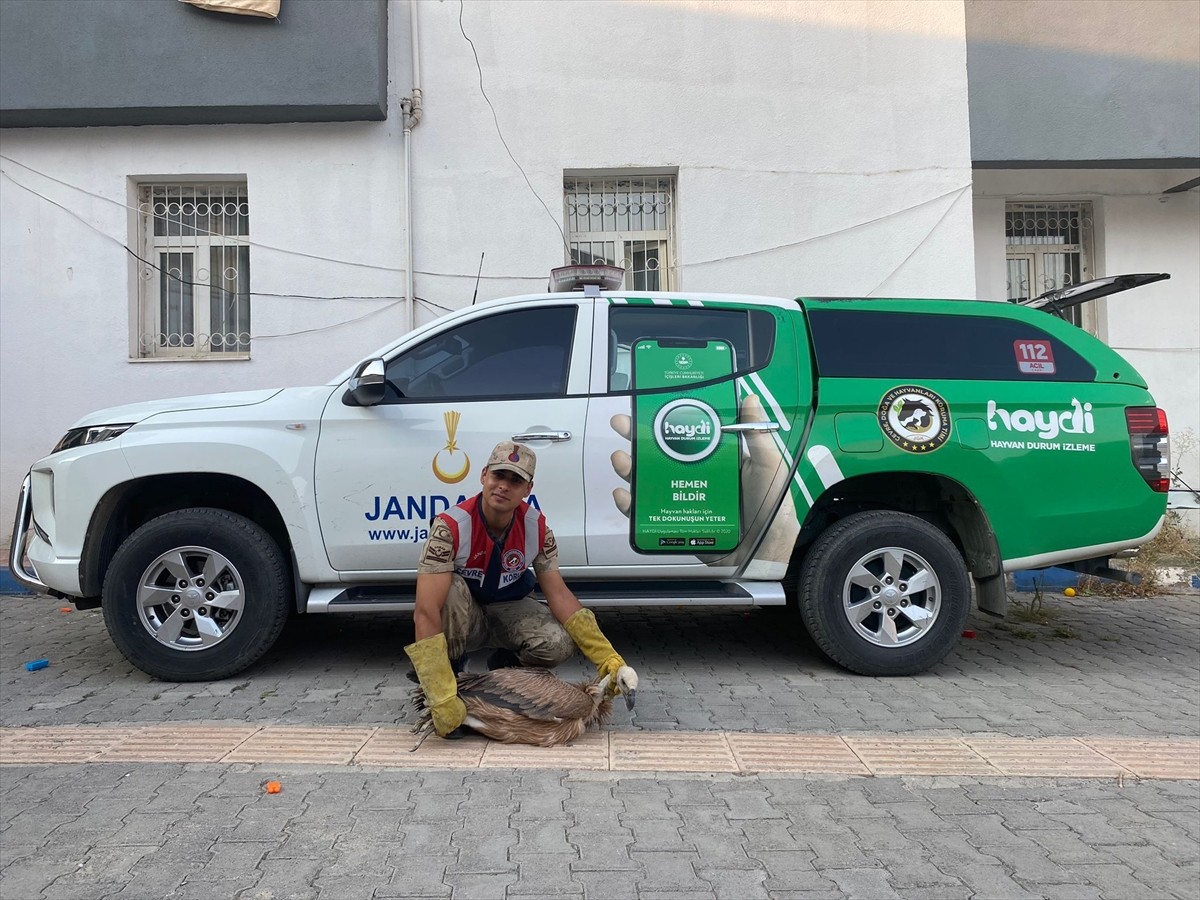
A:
(137, 412)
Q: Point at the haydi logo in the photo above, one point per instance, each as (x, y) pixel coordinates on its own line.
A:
(687, 430)
(1048, 424)
(672, 431)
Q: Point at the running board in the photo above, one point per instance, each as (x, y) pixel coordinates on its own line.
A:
(401, 597)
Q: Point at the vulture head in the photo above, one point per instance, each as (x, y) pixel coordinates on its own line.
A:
(627, 683)
(532, 706)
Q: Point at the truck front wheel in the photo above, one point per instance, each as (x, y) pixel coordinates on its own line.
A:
(884, 593)
(196, 595)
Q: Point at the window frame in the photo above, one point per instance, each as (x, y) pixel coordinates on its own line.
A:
(148, 278)
(608, 188)
(1035, 253)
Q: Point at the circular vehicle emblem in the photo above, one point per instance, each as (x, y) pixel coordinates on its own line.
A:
(914, 418)
(687, 430)
(512, 560)
(683, 360)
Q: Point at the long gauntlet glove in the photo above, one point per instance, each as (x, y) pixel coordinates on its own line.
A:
(432, 664)
(588, 637)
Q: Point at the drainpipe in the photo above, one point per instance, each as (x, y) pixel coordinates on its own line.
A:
(411, 110)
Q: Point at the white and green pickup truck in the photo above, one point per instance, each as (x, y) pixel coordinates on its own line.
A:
(868, 461)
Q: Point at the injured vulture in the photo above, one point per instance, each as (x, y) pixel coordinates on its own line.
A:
(531, 706)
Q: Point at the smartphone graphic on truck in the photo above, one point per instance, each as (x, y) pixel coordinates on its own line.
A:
(686, 483)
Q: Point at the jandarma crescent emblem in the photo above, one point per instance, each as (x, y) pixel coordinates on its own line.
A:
(914, 418)
(451, 452)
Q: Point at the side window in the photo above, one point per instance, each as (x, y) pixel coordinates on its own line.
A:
(851, 344)
(524, 353)
(751, 332)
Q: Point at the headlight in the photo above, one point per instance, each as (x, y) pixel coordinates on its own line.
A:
(81, 437)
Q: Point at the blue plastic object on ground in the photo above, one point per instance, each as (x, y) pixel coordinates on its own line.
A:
(1053, 579)
(36, 664)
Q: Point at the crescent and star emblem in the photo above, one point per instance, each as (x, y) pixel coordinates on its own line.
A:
(451, 450)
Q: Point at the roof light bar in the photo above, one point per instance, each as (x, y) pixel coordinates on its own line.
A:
(576, 278)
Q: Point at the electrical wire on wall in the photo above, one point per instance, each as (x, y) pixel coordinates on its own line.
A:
(786, 245)
(496, 120)
(396, 299)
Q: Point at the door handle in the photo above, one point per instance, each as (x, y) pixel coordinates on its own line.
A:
(742, 427)
(527, 436)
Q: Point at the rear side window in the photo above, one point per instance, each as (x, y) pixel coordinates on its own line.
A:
(751, 332)
(852, 344)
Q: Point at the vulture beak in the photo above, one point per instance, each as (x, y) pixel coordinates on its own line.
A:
(627, 680)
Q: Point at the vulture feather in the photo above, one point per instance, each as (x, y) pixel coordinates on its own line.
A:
(529, 705)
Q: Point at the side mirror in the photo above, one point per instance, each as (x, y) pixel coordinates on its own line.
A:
(366, 387)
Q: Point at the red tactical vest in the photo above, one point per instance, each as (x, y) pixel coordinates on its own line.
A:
(495, 574)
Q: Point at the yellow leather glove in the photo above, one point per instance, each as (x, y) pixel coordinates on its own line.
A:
(432, 664)
(586, 634)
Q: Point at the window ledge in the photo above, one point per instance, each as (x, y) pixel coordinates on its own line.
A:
(239, 357)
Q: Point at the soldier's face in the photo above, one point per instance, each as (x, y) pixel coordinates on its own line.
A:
(503, 490)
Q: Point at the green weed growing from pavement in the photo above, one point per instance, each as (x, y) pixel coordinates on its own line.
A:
(1023, 633)
(1035, 611)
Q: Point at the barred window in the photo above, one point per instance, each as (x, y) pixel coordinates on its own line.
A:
(1048, 246)
(626, 222)
(194, 271)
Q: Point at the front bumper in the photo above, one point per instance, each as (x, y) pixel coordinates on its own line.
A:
(27, 577)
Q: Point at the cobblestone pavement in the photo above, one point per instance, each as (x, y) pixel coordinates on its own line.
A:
(197, 831)
(1100, 667)
(171, 830)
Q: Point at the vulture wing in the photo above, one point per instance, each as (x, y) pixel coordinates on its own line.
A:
(534, 693)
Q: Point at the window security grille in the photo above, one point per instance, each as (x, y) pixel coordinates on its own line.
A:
(626, 222)
(194, 284)
(1049, 246)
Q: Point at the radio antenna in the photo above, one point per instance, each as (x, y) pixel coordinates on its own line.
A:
(477, 274)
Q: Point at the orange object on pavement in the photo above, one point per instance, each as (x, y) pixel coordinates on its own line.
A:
(274, 787)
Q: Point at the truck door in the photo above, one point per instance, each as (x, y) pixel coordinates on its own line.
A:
(384, 471)
(772, 378)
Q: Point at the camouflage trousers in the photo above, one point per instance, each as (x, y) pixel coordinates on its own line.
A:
(524, 626)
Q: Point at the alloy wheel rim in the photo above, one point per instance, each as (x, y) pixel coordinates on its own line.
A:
(891, 597)
(190, 598)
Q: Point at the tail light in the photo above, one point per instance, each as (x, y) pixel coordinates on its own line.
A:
(1150, 445)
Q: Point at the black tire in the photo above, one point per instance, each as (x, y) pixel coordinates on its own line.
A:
(910, 630)
(196, 634)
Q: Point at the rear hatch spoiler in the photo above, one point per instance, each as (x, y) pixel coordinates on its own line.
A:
(1060, 299)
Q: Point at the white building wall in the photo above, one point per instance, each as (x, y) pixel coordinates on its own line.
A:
(1138, 229)
(821, 148)
(786, 122)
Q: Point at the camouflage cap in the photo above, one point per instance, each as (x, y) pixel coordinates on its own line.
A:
(514, 458)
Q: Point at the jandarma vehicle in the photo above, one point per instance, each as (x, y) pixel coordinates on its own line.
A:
(867, 461)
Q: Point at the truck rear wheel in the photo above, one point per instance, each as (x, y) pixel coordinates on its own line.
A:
(884, 593)
(196, 595)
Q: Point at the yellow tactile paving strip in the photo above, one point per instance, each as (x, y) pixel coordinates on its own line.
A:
(613, 751)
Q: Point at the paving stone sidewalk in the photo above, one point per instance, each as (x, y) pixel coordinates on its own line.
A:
(177, 831)
(200, 831)
(1099, 667)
